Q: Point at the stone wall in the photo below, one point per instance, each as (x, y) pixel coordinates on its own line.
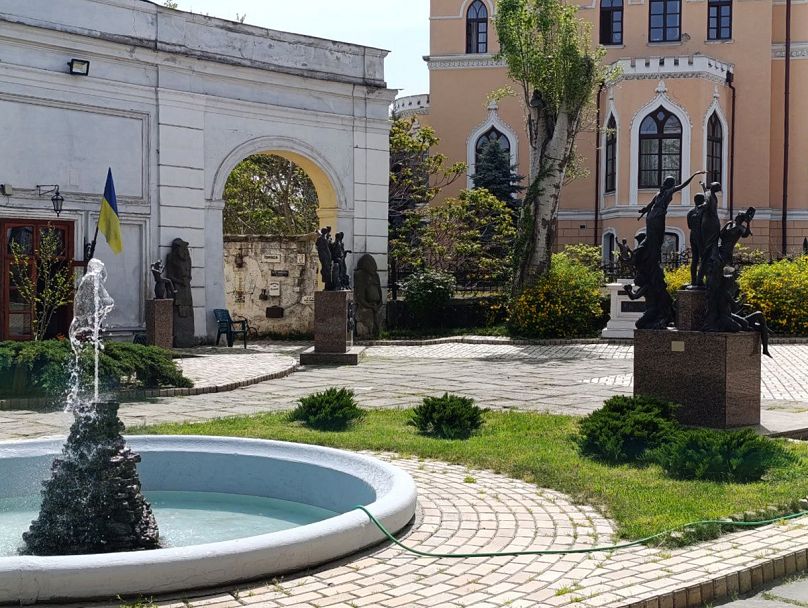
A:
(270, 281)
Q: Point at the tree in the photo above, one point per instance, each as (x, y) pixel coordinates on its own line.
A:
(549, 54)
(416, 176)
(496, 174)
(470, 237)
(269, 195)
(44, 280)
(170, 4)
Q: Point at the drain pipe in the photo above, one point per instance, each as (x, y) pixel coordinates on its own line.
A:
(731, 85)
(786, 109)
(595, 240)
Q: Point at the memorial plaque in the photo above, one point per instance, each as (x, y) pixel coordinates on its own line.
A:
(632, 306)
(273, 258)
(274, 289)
(274, 312)
(308, 300)
(301, 258)
(280, 273)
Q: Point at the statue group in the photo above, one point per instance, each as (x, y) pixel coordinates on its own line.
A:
(712, 266)
(332, 252)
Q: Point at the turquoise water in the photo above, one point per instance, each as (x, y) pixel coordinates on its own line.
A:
(184, 518)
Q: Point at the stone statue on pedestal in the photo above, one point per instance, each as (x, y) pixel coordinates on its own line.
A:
(163, 287)
(178, 271)
(368, 298)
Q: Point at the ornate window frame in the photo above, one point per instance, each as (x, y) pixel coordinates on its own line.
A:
(476, 27)
(493, 120)
(715, 108)
(666, 102)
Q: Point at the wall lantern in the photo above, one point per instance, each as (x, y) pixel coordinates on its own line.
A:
(57, 199)
(79, 67)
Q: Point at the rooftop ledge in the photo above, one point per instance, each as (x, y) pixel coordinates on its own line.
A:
(672, 66)
(145, 24)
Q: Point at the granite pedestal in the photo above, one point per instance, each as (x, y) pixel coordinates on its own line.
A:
(691, 309)
(623, 311)
(714, 376)
(160, 323)
(333, 339)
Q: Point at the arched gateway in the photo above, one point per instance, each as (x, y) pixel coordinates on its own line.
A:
(172, 102)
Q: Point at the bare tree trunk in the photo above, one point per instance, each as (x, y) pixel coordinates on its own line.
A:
(548, 163)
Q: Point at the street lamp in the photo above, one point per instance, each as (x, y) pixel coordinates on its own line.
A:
(57, 200)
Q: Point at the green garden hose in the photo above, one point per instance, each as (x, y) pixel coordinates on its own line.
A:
(740, 524)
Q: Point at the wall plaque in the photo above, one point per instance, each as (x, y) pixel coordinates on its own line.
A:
(280, 273)
(274, 312)
(301, 258)
(677, 347)
(307, 300)
(636, 306)
(273, 258)
(274, 289)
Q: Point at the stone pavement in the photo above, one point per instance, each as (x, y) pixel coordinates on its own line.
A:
(461, 509)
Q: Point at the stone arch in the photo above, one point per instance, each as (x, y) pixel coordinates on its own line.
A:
(330, 191)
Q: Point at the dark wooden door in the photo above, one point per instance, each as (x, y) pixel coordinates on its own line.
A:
(15, 314)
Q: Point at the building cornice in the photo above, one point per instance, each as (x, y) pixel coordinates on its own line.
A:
(461, 62)
(655, 68)
(412, 105)
(799, 50)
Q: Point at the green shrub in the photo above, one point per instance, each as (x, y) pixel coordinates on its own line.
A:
(780, 291)
(331, 410)
(40, 368)
(565, 303)
(706, 454)
(590, 256)
(625, 428)
(427, 293)
(447, 417)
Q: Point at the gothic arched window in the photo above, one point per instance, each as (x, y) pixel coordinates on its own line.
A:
(660, 148)
(477, 28)
(611, 155)
(715, 149)
(492, 135)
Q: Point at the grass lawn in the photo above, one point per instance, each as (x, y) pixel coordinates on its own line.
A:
(539, 448)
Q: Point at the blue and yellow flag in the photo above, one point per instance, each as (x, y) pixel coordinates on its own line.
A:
(108, 222)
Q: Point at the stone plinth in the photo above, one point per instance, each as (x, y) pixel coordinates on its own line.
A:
(623, 313)
(333, 340)
(714, 376)
(160, 323)
(691, 309)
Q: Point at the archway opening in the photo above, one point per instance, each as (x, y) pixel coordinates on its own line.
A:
(274, 201)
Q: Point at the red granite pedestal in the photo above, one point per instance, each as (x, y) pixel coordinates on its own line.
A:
(333, 341)
(160, 322)
(714, 376)
(691, 309)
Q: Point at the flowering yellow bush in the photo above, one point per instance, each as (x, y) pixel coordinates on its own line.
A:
(563, 304)
(780, 291)
(677, 279)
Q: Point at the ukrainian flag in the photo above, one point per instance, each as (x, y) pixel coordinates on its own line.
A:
(109, 223)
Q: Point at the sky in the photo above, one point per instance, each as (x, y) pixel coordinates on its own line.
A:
(400, 26)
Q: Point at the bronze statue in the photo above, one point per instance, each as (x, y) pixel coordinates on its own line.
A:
(649, 278)
(368, 298)
(163, 287)
(323, 245)
(340, 270)
(696, 245)
(178, 271)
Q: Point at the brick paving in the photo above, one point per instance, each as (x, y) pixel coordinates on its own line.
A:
(462, 510)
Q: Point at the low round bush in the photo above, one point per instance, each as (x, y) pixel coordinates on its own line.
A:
(565, 303)
(427, 293)
(780, 291)
(706, 454)
(333, 409)
(626, 428)
(447, 417)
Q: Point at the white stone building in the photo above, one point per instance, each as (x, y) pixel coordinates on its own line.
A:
(172, 102)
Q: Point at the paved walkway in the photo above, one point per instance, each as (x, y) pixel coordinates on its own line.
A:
(461, 509)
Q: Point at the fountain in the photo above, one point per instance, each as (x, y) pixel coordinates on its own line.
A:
(92, 503)
(232, 509)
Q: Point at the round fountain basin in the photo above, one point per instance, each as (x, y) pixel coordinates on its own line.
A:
(275, 488)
